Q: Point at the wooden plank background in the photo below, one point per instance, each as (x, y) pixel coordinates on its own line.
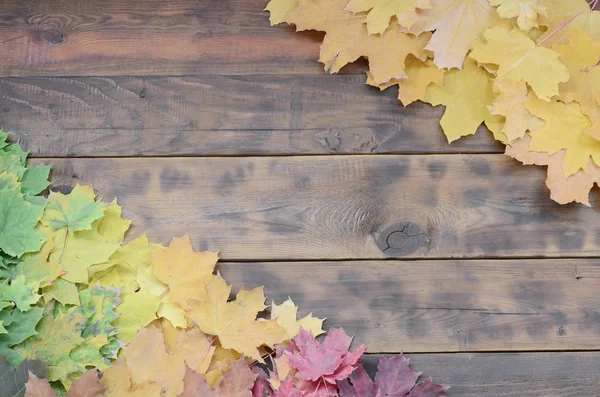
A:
(201, 118)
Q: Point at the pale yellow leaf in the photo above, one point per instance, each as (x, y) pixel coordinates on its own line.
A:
(381, 12)
(563, 189)
(286, 314)
(581, 56)
(511, 104)
(278, 9)
(519, 58)
(466, 93)
(458, 25)
(347, 39)
(565, 128)
(526, 11)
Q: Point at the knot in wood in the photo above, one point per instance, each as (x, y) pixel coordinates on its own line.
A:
(53, 36)
(401, 239)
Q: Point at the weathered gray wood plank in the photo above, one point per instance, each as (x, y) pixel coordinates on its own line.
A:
(344, 207)
(442, 306)
(510, 375)
(219, 115)
(153, 37)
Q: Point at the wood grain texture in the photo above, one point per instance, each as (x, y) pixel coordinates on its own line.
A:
(344, 207)
(442, 306)
(509, 375)
(153, 37)
(219, 115)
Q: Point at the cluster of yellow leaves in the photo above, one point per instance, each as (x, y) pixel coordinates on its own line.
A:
(176, 313)
(528, 69)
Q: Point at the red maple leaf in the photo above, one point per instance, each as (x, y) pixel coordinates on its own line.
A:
(394, 379)
(328, 361)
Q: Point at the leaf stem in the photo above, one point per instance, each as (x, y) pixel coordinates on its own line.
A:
(591, 5)
(63, 248)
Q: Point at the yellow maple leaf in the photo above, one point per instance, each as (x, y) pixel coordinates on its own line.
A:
(135, 311)
(183, 270)
(281, 369)
(519, 58)
(133, 265)
(511, 104)
(419, 76)
(235, 322)
(76, 252)
(563, 189)
(526, 11)
(278, 9)
(173, 312)
(347, 39)
(222, 361)
(117, 380)
(466, 93)
(565, 128)
(286, 313)
(112, 225)
(191, 346)
(381, 12)
(149, 361)
(575, 13)
(581, 57)
(458, 25)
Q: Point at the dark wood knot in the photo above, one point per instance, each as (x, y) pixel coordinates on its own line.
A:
(53, 36)
(401, 239)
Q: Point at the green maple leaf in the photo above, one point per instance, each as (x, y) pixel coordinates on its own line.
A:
(8, 182)
(63, 291)
(35, 267)
(3, 138)
(11, 164)
(15, 150)
(35, 179)
(22, 294)
(19, 326)
(98, 305)
(75, 211)
(18, 219)
(57, 336)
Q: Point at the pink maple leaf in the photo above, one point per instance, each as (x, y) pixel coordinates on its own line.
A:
(287, 389)
(394, 376)
(358, 384)
(428, 389)
(328, 361)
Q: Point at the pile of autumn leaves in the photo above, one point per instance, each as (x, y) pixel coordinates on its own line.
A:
(83, 314)
(528, 69)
